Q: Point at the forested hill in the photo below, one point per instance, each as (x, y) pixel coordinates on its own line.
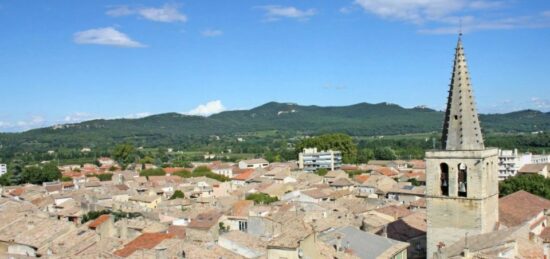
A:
(361, 119)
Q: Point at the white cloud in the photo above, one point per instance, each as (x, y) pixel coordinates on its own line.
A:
(105, 36)
(276, 12)
(120, 11)
(165, 13)
(445, 16)
(208, 108)
(211, 33)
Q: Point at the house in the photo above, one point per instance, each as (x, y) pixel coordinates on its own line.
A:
(145, 202)
(243, 244)
(204, 227)
(407, 193)
(376, 186)
(222, 169)
(238, 218)
(145, 241)
(352, 241)
(523, 208)
(253, 163)
(296, 240)
(411, 229)
(387, 171)
(331, 176)
(541, 169)
(243, 177)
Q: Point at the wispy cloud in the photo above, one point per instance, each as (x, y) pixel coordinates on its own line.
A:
(277, 12)
(211, 33)
(137, 115)
(106, 36)
(22, 125)
(207, 109)
(447, 16)
(165, 13)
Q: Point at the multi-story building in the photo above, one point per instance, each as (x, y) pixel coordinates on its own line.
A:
(509, 162)
(540, 159)
(311, 160)
(3, 169)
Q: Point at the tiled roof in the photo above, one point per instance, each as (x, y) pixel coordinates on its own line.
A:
(205, 220)
(241, 208)
(244, 175)
(395, 211)
(520, 207)
(256, 161)
(361, 178)
(100, 220)
(144, 241)
(532, 168)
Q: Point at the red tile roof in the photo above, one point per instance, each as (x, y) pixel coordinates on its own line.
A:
(144, 241)
(520, 207)
(178, 231)
(361, 178)
(245, 175)
(205, 220)
(17, 191)
(387, 171)
(100, 220)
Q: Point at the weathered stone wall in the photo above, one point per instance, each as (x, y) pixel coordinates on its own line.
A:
(451, 217)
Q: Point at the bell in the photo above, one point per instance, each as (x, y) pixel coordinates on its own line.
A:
(462, 187)
(444, 183)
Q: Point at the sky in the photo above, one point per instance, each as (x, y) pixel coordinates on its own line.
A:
(67, 61)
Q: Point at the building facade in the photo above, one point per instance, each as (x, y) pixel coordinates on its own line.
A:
(462, 177)
(509, 162)
(311, 160)
(3, 169)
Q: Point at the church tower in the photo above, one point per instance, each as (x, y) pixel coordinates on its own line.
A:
(462, 177)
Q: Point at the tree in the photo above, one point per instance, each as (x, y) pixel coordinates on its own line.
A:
(385, 153)
(261, 198)
(123, 153)
(364, 155)
(337, 142)
(177, 195)
(321, 171)
(38, 175)
(535, 184)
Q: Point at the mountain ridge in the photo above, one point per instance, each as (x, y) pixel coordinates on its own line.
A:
(361, 119)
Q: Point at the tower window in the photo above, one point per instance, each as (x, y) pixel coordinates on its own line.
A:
(462, 180)
(444, 181)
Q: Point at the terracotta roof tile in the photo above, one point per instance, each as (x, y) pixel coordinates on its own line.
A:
(244, 175)
(144, 241)
(100, 220)
(520, 207)
(241, 208)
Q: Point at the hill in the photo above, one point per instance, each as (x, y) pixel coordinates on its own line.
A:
(172, 129)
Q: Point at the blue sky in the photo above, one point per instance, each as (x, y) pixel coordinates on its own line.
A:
(68, 61)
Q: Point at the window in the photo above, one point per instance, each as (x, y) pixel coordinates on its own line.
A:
(444, 180)
(462, 180)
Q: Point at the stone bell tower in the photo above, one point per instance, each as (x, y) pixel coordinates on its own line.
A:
(462, 177)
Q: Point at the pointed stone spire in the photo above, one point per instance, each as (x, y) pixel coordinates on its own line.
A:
(461, 129)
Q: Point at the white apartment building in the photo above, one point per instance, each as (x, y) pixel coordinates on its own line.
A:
(540, 159)
(3, 169)
(509, 162)
(311, 160)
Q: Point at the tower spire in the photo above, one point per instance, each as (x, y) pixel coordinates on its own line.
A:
(461, 129)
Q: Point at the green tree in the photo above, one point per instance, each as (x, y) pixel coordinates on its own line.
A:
(364, 155)
(321, 171)
(177, 195)
(124, 153)
(261, 198)
(385, 153)
(38, 175)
